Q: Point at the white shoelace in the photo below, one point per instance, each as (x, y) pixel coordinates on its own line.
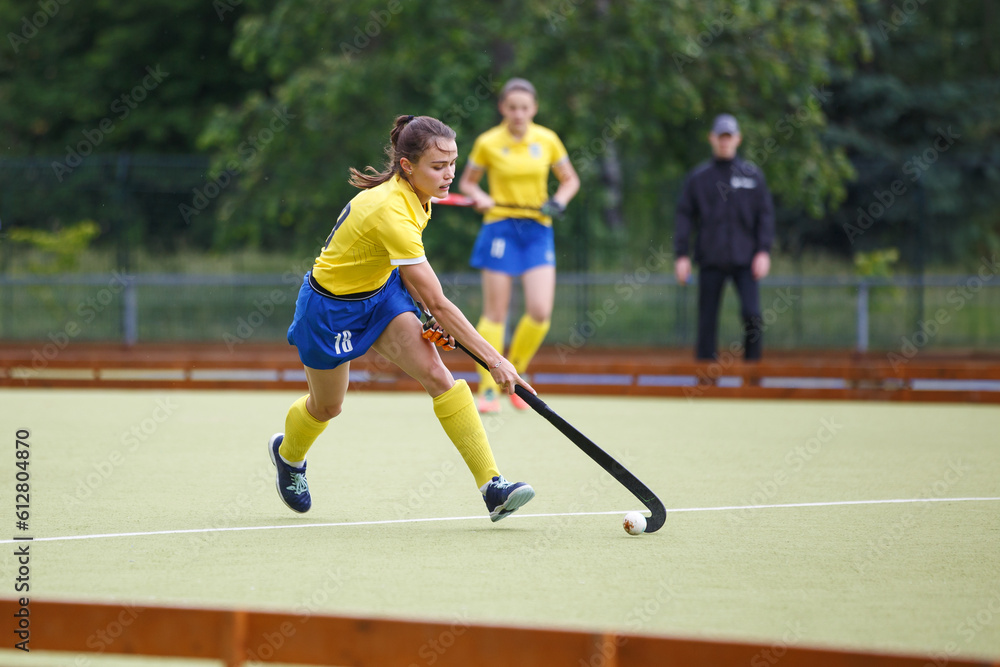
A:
(299, 484)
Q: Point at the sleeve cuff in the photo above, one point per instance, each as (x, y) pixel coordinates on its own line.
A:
(409, 261)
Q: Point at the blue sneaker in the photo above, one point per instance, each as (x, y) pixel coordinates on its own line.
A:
(503, 497)
(291, 481)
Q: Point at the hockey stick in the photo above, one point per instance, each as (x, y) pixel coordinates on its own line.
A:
(658, 513)
(461, 200)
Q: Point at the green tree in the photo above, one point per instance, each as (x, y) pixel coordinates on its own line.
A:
(630, 86)
(84, 86)
(105, 76)
(919, 123)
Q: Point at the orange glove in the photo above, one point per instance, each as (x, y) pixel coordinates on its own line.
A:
(435, 334)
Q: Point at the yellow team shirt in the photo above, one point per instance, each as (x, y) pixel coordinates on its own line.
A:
(380, 229)
(517, 170)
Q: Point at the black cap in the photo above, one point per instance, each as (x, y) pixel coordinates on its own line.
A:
(725, 124)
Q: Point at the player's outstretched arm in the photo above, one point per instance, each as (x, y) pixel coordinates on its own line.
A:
(424, 285)
(468, 185)
(569, 182)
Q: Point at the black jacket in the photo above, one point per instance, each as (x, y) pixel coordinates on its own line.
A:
(729, 203)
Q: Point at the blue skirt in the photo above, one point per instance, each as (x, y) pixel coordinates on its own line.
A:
(329, 331)
(513, 246)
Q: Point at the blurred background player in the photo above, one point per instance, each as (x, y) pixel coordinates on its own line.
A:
(516, 239)
(727, 200)
(358, 296)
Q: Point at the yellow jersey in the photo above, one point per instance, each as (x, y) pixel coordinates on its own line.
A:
(380, 229)
(517, 170)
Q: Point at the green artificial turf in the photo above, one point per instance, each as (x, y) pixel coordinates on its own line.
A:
(907, 577)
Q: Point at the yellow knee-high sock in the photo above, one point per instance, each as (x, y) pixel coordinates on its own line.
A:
(493, 333)
(527, 339)
(301, 431)
(456, 410)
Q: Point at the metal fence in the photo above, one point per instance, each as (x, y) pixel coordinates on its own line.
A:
(641, 308)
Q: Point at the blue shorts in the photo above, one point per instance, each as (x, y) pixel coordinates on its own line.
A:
(329, 331)
(513, 246)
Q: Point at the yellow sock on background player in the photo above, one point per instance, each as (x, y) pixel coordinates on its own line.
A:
(493, 333)
(456, 410)
(527, 339)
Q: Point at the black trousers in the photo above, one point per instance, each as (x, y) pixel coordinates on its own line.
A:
(711, 281)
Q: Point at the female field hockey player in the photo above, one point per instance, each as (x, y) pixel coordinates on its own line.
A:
(358, 296)
(516, 238)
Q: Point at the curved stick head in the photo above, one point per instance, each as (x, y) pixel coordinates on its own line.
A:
(657, 518)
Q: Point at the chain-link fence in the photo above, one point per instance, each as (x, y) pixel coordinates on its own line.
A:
(165, 203)
(639, 309)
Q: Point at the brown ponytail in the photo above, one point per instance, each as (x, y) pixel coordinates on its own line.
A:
(410, 137)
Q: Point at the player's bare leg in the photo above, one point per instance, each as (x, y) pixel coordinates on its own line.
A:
(496, 302)
(539, 296)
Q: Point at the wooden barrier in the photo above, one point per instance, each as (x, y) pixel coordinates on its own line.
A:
(236, 637)
(595, 372)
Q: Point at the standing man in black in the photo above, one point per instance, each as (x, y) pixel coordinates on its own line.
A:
(727, 200)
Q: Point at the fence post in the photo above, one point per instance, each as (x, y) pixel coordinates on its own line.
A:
(130, 313)
(862, 342)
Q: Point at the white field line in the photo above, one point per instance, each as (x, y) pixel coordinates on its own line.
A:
(481, 517)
